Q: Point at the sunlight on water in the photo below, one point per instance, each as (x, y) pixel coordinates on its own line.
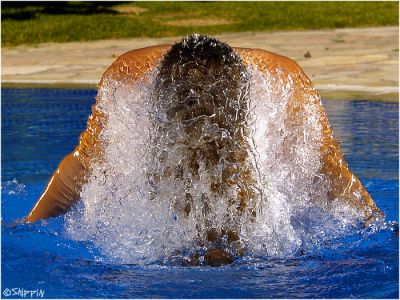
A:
(13, 187)
(88, 261)
(168, 177)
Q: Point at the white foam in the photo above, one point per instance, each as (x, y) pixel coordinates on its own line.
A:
(135, 215)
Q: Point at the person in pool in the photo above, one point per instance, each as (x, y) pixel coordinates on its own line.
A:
(205, 79)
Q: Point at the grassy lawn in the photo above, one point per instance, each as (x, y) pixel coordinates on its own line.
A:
(38, 22)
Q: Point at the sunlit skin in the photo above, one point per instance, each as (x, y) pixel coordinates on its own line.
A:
(63, 188)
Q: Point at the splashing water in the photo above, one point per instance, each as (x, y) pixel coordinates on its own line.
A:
(156, 193)
(13, 187)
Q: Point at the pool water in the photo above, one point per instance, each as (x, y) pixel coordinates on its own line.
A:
(40, 126)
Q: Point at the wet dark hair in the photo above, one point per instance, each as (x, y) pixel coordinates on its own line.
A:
(205, 51)
(201, 101)
(201, 76)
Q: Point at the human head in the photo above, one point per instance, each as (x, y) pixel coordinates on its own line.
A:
(202, 77)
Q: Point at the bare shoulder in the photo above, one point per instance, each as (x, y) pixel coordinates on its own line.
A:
(133, 64)
(267, 61)
(280, 66)
(148, 54)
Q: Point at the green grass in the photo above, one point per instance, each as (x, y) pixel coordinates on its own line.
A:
(31, 23)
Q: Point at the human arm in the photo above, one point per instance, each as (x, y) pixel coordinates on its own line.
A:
(64, 186)
(304, 104)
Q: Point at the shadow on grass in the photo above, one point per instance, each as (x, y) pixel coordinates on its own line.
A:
(30, 10)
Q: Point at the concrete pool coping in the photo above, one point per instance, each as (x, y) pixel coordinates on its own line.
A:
(349, 63)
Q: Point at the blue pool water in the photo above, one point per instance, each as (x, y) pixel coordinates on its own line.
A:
(40, 126)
